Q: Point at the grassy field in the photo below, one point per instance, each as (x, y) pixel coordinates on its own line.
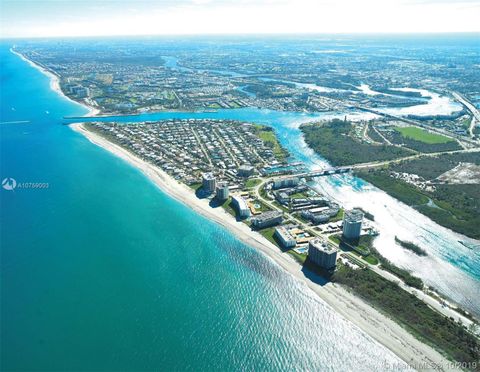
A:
(422, 135)
(299, 257)
(195, 186)
(335, 141)
(252, 182)
(338, 216)
(268, 233)
(267, 134)
(371, 259)
(227, 205)
(263, 206)
(335, 239)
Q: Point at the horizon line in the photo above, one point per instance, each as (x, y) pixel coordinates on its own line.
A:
(257, 34)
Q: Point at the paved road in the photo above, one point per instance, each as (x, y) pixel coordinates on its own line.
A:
(463, 140)
(470, 107)
(386, 162)
(441, 307)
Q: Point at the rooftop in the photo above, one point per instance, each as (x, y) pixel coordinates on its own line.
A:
(208, 176)
(268, 215)
(322, 245)
(354, 215)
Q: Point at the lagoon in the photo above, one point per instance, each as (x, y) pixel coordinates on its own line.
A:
(102, 270)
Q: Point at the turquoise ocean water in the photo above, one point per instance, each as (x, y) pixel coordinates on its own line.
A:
(101, 270)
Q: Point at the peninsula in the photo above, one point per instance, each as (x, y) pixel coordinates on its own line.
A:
(225, 171)
(438, 175)
(238, 174)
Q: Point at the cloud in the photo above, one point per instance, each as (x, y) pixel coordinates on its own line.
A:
(115, 17)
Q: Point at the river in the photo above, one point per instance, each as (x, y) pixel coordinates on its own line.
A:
(103, 271)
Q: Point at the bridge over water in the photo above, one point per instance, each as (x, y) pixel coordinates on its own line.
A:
(321, 172)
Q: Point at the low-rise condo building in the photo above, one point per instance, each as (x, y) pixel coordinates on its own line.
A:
(245, 171)
(281, 183)
(267, 219)
(286, 239)
(241, 206)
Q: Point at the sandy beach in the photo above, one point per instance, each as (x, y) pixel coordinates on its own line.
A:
(382, 329)
(55, 84)
(376, 325)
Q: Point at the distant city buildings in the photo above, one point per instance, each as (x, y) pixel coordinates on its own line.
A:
(77, 90)
(209, 182)
(322, 253)
(352, 223)
(267, 219)
(240, 206)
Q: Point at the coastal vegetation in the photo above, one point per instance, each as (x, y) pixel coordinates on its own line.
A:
(441, 332)
(363, 247)
(453, 205)
(403, 274)
(367, 215)
(411, 247)
(269, 89)
(432, 167)
(395, 92)
(373, 134)
(334, 141)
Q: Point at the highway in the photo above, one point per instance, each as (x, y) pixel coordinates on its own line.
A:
(344, 169)
(443, 307)
(411, 157)
(470, 107)
(461, 139)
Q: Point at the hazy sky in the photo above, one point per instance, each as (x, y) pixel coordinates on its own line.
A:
(27, 18)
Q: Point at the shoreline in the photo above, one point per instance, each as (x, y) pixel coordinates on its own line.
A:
(55, 84)
(381, 328)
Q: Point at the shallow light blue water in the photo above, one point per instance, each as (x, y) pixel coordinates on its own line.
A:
(101, 270)
(451, 268)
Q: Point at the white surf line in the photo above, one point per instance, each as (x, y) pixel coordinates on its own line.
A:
(16, 122)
